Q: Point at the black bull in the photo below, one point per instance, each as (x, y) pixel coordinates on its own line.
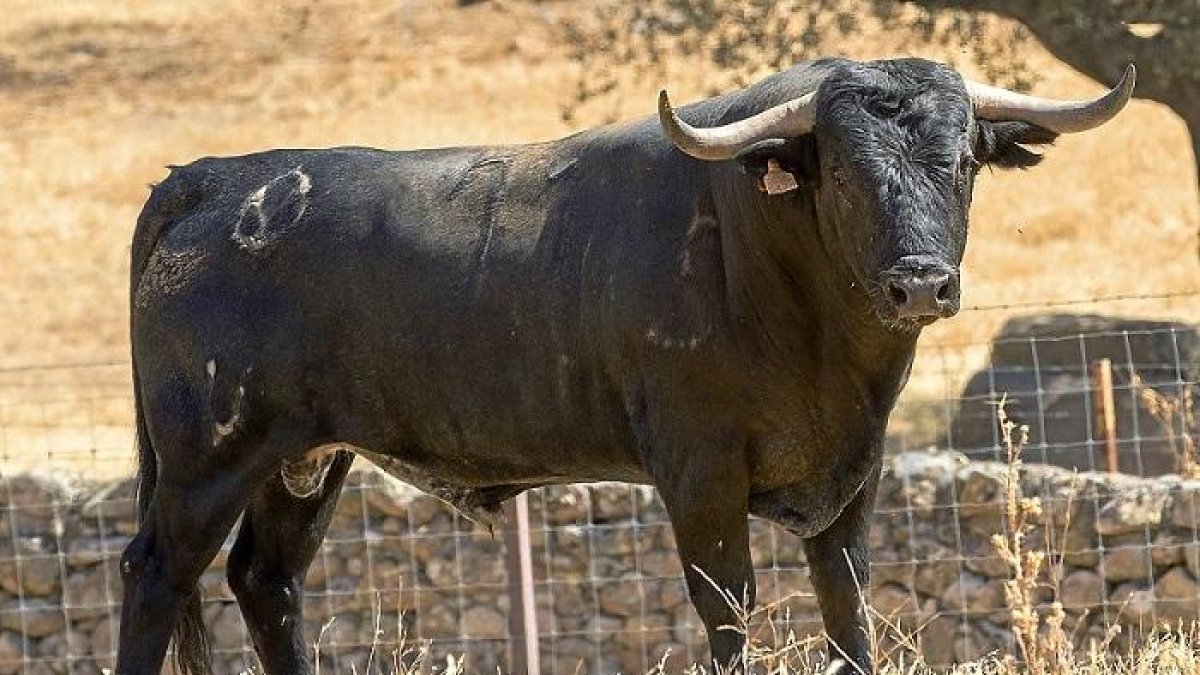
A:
(480, 321)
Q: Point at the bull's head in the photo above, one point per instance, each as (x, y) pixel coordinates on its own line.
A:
(891, 149)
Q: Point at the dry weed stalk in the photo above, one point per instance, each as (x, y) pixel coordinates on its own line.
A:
(1043, 643)
(1177, 417)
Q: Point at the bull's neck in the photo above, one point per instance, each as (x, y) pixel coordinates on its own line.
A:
(794, 299)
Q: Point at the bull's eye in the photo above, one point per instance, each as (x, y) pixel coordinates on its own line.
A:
(888, 107)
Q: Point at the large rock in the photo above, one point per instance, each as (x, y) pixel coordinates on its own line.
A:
(924, 478)
(103, 637)
(1042, 361)
(981, 489)
(63, 645)
(1166, 550)
(1191, 557)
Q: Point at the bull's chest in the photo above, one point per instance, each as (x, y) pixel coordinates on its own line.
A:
(808, 463)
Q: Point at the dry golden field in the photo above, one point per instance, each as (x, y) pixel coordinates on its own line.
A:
(96, 97)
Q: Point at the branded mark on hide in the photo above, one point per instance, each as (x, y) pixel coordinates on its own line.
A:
(272, 210)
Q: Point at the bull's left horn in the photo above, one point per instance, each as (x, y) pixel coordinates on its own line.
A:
(793, 118)
(1063, 117)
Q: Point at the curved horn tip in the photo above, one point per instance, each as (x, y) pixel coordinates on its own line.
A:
(664, 103)
(1128, 78)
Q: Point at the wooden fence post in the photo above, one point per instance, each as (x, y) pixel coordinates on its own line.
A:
(522, 606)
(1106, 414)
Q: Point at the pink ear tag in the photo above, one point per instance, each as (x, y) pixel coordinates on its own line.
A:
(777, 181)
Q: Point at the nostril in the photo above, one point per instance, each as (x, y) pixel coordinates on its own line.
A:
(943, 292)
(899, 295)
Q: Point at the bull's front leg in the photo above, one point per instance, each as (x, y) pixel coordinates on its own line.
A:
(838, 563)
(706, 493)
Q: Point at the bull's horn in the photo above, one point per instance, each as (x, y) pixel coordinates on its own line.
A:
(1063, 117)
(786, 120)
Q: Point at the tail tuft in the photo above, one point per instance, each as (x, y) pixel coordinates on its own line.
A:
(193, 653)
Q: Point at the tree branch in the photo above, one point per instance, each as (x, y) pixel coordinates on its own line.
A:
(1094, 39)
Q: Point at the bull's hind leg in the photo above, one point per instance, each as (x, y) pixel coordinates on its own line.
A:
(280, 533)
(182, 533)
(193, 498)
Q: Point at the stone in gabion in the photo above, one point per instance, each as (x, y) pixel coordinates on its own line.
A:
(36, 618)
(937, 639)
(1082, 590)
(1185, 512)
(973, 595)
(1127, 563)
(1133, 506)
(1136, 603)
(484, 622)
(1176, 592)
(1166, 551)
(893, 601)
(10, 653)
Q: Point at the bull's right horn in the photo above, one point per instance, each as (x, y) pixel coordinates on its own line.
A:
(786, 120)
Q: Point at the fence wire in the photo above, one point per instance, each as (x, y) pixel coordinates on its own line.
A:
(400, 572)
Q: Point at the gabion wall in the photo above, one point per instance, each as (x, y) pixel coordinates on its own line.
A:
(608, 585)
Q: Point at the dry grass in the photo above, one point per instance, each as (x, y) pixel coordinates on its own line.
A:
(99, 96)
(1168, 653)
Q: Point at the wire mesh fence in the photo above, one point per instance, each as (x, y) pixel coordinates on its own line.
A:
(400, 570)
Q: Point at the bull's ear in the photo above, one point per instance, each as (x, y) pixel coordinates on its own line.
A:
(1002, 144)
(780, 164)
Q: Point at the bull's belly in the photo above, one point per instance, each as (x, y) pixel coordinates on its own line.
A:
(477, 493)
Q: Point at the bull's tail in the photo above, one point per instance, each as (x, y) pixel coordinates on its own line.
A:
(166, 204)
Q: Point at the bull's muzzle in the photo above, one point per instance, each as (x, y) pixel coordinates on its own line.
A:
(923, 292)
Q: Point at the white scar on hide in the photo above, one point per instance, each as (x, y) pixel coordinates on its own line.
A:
(223, 430)
(261, 230)
(662, 341)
